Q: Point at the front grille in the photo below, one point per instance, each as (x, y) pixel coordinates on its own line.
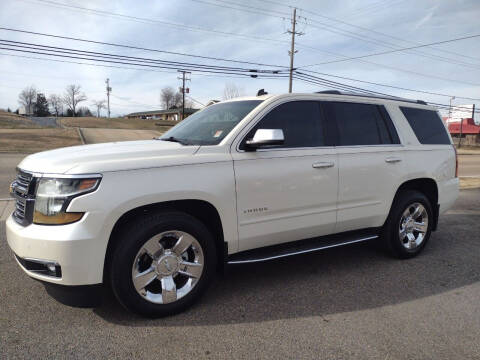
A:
(23, 190)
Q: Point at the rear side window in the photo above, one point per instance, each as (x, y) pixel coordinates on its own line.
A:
(427, 126)
(300, 122)
(361, 124)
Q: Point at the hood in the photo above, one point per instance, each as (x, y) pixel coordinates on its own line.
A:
(125, 155)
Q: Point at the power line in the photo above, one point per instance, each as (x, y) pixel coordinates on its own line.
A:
(127, 60)
(260, 76)
(381, 33)
(388, 66)
(198, 102)
(391, 86)
(244, 8)
(336, 30)
(356, 35)
(242, 36)
(137, 48)
(343, 87)
(108, 55)
(277, 76)
(395, 50)
(153, 21)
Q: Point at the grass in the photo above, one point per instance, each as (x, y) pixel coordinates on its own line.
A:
(35, 140)
(116, 123)
(14, 121)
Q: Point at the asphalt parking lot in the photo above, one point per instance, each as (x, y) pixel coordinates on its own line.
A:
(345, 303)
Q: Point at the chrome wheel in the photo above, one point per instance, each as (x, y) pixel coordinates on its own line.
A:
(167, 267)
(413, 226)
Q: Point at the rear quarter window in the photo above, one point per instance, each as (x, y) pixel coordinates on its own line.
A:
(427, 126)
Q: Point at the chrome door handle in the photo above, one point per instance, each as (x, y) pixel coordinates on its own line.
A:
(392, 159)
(322, 165)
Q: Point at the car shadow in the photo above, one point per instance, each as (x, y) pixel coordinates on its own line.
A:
(349, 278)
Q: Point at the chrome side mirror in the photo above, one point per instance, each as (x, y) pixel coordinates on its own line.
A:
(265, 137)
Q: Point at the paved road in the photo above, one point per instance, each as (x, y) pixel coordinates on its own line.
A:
(95, 136)
(45, 121)
(345, 303)
(469, 165)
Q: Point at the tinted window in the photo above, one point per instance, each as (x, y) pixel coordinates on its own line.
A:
(426, 125)
(361, 124)
(389, 124)
(212, 124)
(300, 122)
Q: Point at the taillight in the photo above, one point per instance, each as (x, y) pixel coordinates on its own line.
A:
(456, 160)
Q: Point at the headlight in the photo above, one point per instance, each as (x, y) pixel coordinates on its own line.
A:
(53, 196)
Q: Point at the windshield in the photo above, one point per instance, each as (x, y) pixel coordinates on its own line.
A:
(211, 125)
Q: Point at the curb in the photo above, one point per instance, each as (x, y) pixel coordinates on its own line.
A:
(80, 134)
(475, 185)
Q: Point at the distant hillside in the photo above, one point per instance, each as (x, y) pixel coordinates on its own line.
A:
(14, 121)
(115, 123)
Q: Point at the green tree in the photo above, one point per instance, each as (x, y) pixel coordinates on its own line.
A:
(41, 106)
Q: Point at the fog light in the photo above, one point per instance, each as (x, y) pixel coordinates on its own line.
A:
(51, 267)
(41, 267)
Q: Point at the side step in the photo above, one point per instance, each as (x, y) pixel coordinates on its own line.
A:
(301, 247)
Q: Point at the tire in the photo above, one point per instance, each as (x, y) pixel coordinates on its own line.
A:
(398, 227)
(170, 286)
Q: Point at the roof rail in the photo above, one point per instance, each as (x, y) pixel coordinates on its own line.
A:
(336, 92)
(386, 97)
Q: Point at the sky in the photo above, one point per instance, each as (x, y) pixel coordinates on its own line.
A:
(332, 30)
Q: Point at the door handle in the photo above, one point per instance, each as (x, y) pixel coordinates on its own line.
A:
(392, 159)
(322, 165)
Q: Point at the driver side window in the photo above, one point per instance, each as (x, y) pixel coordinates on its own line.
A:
(300, 122)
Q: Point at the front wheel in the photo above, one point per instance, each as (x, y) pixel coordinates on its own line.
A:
(409, 224)
(162, 264)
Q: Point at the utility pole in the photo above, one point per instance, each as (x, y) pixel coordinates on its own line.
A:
(109, 90)
(183, 90)
(292, 48)
(450, 109)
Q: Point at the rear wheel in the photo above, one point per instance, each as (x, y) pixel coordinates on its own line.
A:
(163, 264)
(408, 227)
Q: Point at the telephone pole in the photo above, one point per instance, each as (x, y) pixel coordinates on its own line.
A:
(109, 90)
(292, 49)
(183, 90)
(450, 108)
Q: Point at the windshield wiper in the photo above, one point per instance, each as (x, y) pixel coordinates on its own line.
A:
(173, 139)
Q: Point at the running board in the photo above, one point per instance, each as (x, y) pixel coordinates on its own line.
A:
(297, 248)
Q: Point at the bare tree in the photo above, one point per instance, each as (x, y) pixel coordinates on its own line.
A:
(99, 104)
(167, 97)
(27, 98)
(178, 99)
(232, 91)
(56, 103)
(73, 97)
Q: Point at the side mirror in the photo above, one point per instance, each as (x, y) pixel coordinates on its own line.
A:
(265, 137)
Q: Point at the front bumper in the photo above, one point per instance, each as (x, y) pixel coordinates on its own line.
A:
(79, 252)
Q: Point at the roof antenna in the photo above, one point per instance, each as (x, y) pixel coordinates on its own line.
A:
(261, 92)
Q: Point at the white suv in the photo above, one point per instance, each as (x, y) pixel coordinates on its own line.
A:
(240, 181)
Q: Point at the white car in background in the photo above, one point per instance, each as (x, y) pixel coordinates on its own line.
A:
(244, 180)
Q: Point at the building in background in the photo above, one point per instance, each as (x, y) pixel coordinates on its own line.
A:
(466, 129)
(169, 115)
